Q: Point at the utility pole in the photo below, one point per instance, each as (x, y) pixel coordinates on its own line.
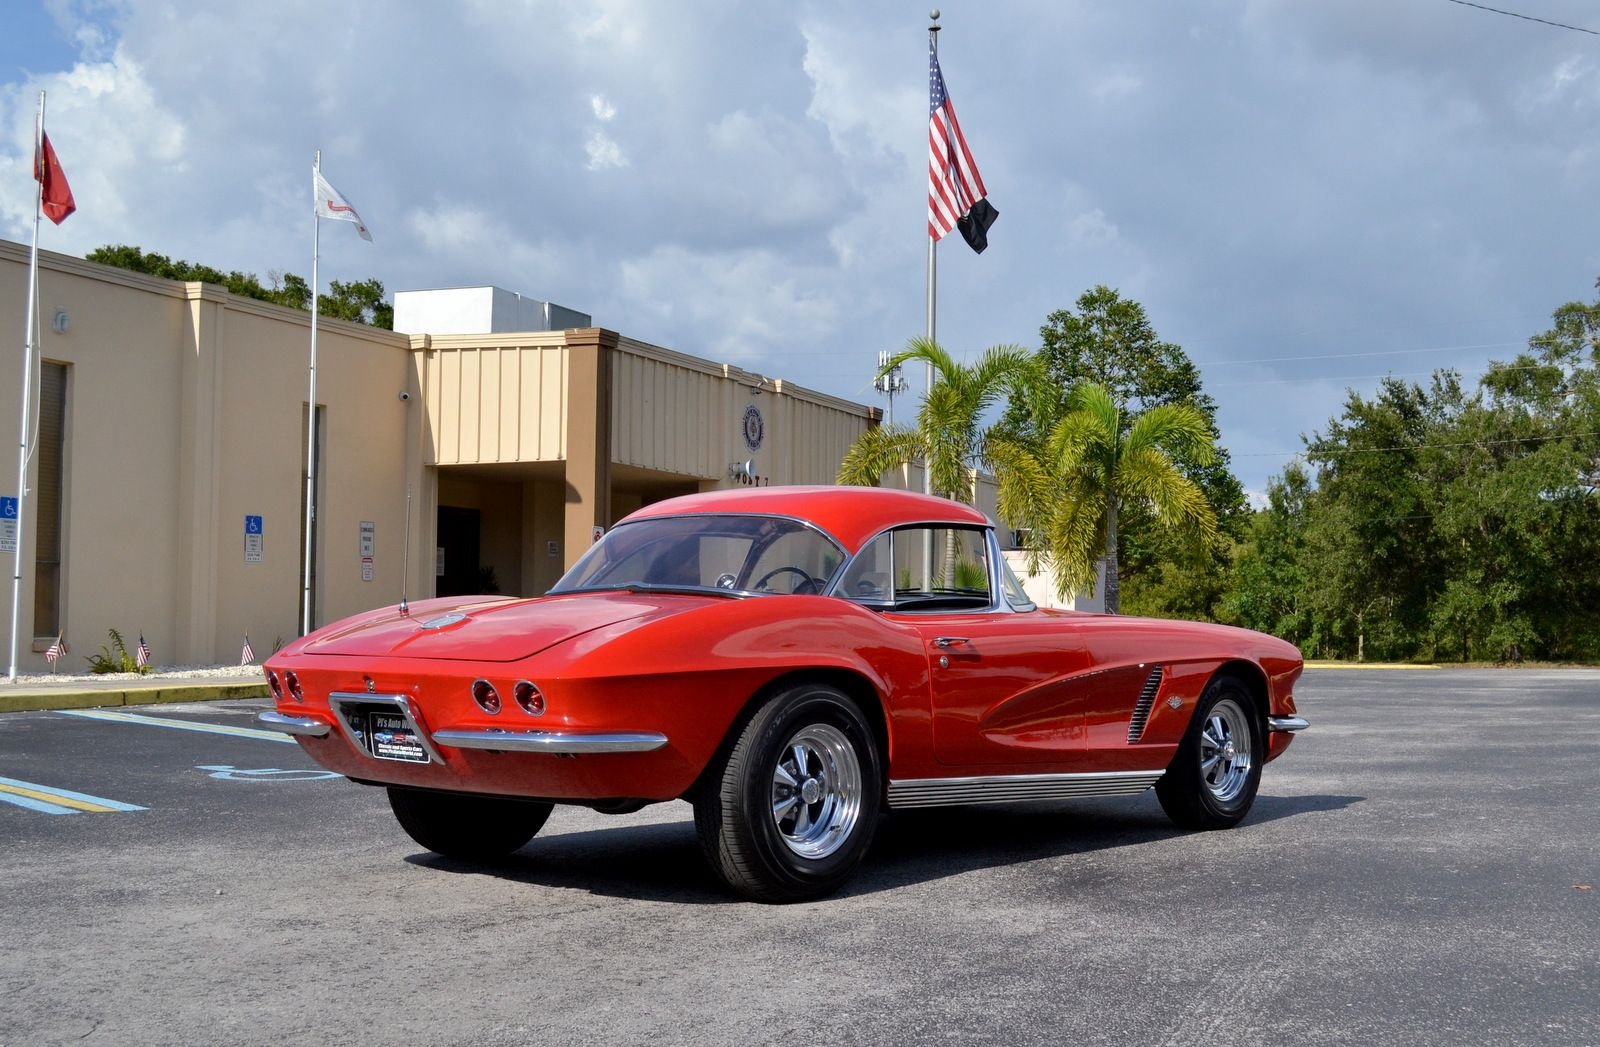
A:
(890, 382)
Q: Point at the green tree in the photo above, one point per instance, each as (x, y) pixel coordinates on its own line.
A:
(1109, 340)
(949, 433)
(360, 302)
(1269, 585)
(1095, 464)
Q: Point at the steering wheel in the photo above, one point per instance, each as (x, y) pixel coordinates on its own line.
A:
(809, 585)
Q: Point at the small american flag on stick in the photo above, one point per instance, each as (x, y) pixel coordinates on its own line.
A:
(143, 657)
(54, 651)
(247, 655)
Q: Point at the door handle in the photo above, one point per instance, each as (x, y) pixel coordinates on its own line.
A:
(949, 641)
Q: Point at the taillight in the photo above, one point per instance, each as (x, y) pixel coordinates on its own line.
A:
(275, 685)
(529, 697)
(293, 683)
(486, 696)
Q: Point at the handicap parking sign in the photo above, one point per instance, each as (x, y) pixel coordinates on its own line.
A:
(253, 540)
(8, 524)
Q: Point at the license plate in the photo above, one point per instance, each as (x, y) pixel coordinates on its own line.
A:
(390, 737)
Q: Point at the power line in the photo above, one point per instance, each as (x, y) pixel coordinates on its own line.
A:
(1351, 356)
(1390, 374)
(1525, 18)
(1303, 452)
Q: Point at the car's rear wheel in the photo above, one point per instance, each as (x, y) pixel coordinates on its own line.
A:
(1213, 779)
(790, 810)
(461, 825)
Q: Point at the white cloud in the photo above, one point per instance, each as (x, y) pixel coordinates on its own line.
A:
(1092, 229)
(603, 151)
(747, 305)
(747, 179)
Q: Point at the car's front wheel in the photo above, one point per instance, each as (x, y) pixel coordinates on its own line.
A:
(465, 826)
(1212, 781)
(790, 810)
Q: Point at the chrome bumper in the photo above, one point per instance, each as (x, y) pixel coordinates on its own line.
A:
(565, 742)
(302, 725)
(1287, 723)
(493, 738)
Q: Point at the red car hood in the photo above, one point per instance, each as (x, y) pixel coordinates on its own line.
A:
(503, 631)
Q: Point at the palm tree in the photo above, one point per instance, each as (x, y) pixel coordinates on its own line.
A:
(948, 433)
(1067, 493)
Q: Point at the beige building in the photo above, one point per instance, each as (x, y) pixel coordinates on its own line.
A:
(166, 484)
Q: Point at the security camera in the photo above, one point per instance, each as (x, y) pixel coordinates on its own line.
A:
(404, 395)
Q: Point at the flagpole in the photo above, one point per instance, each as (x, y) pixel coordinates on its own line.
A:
(311, 410)
(933, 284)
(30, 333)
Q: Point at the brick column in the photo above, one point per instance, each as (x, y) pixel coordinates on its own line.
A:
(588, 475)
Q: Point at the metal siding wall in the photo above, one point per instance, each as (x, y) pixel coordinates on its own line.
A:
(664, 417)
(498, 404)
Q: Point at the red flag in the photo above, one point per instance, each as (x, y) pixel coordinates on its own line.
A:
(57, 196)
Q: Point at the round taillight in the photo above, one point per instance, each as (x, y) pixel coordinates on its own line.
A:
(293, 683)
(529, 697)
(486, 696)
(275, 685)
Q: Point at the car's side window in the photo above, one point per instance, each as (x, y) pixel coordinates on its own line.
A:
(922, 569)
(1016, 595)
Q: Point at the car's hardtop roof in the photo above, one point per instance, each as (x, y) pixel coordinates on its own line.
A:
(850, 514)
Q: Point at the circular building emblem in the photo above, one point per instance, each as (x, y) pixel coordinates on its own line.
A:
(754, 427)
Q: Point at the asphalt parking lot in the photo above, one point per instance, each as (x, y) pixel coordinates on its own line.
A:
(1423, 867)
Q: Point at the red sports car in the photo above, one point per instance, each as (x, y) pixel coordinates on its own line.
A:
(792, 661)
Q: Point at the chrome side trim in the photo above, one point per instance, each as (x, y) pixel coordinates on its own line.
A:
(301, 725)
(553, 741)
(941, 792)
(1287, 723)
(402, 705)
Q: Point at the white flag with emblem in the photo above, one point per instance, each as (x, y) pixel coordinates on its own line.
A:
(332, 204)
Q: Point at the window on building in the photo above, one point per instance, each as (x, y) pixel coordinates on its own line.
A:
(49, 499)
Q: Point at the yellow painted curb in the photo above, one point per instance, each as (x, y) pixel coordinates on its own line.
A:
(35, 701)
(1367, 665)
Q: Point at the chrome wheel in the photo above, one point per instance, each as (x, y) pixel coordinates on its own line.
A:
(816, 791)
(1226, 750)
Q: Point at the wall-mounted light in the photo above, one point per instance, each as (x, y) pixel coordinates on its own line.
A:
(61, 321)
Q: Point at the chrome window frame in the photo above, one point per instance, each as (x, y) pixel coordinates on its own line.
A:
(997, 600)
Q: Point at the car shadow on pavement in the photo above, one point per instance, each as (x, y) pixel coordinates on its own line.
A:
(662, 861)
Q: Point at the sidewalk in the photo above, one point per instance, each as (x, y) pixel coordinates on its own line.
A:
(112, 689)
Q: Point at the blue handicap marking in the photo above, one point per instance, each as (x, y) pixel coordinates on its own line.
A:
(228, 773)
(8, 507)
(252, 525)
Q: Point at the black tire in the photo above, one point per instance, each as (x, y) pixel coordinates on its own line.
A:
(773, 841)
(1200, 794)
(461, 825)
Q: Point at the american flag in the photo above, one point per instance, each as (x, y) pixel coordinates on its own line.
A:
(55, 650)
(955, 187)
(247, 655)
(143, 657)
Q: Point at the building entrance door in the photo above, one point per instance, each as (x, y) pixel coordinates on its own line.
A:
(458, 548)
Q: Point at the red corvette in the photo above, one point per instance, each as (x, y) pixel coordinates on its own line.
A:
(792, 661)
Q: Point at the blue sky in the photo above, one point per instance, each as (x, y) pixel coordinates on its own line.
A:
(1304, 196)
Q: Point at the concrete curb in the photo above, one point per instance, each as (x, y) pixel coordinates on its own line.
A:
(38, 699)
(1369, 665)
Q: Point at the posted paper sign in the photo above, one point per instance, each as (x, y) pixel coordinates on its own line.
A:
(252, 539)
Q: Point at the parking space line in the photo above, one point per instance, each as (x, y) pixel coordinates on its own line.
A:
(180, 725)
(50, 800)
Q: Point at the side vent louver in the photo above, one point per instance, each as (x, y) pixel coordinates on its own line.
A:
(1141, 711)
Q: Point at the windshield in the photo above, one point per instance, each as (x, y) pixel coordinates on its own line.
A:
(742, 554)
